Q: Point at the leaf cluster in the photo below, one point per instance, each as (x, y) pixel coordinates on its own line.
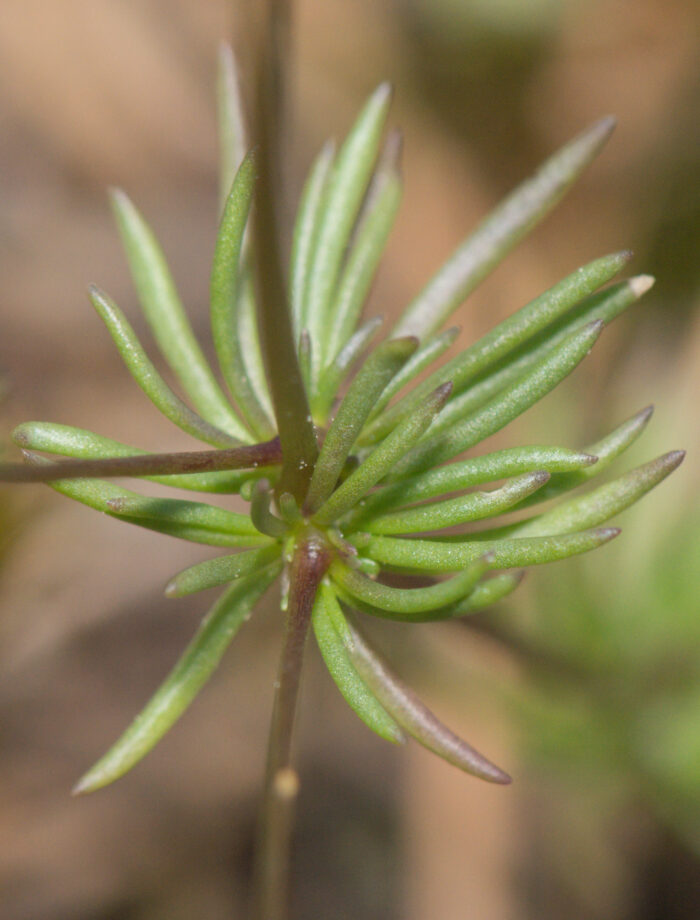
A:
(386, 493)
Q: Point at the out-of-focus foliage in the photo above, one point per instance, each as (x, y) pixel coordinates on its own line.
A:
(611, 698)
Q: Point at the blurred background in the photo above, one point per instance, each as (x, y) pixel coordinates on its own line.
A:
(586, 687)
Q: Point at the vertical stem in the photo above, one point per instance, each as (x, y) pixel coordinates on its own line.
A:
(290, 402)
(311, 559)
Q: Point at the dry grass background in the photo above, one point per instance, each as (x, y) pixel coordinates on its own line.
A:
(120, 92)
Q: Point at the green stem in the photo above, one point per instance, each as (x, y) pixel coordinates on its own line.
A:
(311, 559)
(289, 399)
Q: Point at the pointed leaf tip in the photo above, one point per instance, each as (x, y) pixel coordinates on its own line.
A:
(641, 284)
(442, 393)
(672, 460)
(605, 125)
(384, 91)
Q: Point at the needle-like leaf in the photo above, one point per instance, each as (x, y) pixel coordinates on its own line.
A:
(220, 571)
(347, 187)
(306, 230)
(387, 600)
(525, 392)
(184, 682)
(330, 381)
(382, 458)
(226, 300)
(413, 716)
(231, 121)
(261, 515)
(506, 337)
(499, 233)
(512, 461)
(192, 521)
(326, 614)
(435, 556)
(603, 306)
(367, 249)
(606, 450)
(144, 373)
(602, 503)
(370, 381)
(166, 317)
(427, 353)
(249, 339)
(472, 507)
(215, 526)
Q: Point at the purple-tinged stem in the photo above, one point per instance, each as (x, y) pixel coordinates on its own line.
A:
(311, 559)
(248, 456)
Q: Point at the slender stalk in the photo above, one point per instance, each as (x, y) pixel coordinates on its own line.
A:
(190, 461)
(289, 399)
(311, 559)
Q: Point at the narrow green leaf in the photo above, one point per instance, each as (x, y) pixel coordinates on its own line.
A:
(413, 716)
(167, 516)
(167, 319)
(184, 682)
(382, 458)
(604, 306)
(386, 600)
(220, 571)
(306, 230)
(427, 353)
(505, 338)
(606, 450)
(362, 262)
(354, 690)
(231, 122)
(262, 517)
(605, 502)
(225, 297)
(77, 442)
(464, 474)
(348, 184)
(488, 592)
(148, 378)
(217, 523)
(446, 443)
(434, 556)
(472, 507)
(382, 364)
(330, 381)
(249, 339)
(499, 233)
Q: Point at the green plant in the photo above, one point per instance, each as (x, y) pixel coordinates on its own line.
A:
(342, 469)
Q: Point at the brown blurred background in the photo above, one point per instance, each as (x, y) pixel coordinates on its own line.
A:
(590, 693)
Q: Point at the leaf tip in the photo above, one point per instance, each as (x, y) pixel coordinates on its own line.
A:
(171, 589)
(84, 785)
(602, 129)
(118, 197)
(442, 393)
(672, 460)
(498, 776)
(384, 92)
(608, 533)
(20, 435)
(641, 284)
